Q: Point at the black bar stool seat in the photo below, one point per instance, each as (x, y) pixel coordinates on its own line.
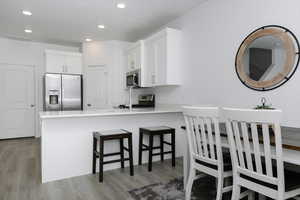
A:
(102, 136)
(160, 131)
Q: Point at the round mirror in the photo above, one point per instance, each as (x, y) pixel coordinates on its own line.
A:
(267, 58)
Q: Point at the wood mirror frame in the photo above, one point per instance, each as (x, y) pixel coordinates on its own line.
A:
(291, 46)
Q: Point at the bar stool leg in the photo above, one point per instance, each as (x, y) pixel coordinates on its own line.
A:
(101, 160)
(162, 148)
(150, 153)
(130, 155)
(141, 147)
(94, 155)
(122, 152)
(173, 148)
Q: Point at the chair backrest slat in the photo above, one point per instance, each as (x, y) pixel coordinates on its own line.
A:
(255, 144)
(204, 134)
(193, 144)
(247, 147)
(208, 123)
(257, 152)
(267, 149)
(239, 146)
(198, 136)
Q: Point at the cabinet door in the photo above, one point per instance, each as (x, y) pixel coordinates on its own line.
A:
(55, 63)
(137, 57)
(131, 60)
(73, 64)
(149, 69)
(160, 61)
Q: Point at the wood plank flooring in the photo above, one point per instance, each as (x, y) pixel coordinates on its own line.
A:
(20, 177)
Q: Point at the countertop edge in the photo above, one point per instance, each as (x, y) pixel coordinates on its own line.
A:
(84, 115)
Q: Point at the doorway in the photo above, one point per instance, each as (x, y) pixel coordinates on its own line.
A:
(18, 101)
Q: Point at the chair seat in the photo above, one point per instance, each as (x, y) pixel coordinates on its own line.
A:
(291, 180)
(110, 132)
(157, 128)
(226, 163)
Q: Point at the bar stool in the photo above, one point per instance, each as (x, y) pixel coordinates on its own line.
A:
(156, 131)
(101, 137)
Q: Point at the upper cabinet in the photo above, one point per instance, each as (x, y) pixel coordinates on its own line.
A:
(135, 56)
(162, 59)
(63, 62)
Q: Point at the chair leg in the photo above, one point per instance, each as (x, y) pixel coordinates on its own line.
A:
(122, 152)
(236, 190)
(220, 182)
(189, 184)
(141, 148)
(130, 155)
(173, 149)
(101, 160)
(150, 153)
(94, 155)
(161, 147)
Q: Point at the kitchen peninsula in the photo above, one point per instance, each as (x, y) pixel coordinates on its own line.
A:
(66, 136)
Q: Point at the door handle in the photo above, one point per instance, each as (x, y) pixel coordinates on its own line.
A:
(32, 105)
(89, 105)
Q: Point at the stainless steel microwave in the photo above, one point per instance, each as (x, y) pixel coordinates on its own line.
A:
(133, 78)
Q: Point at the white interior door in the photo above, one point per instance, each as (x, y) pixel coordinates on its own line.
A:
(96, 88)
(17, 102)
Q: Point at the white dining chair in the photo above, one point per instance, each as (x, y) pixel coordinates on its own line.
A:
(205, 149)
(256, 153)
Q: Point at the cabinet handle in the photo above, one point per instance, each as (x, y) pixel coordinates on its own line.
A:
(66, 67)
(89, 105)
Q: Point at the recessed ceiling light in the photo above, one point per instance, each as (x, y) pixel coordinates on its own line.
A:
(121, 5)
(26, 12)
(28, 31)
(101, 26)
(88, 40)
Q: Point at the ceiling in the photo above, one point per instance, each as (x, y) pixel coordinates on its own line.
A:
(69, 22)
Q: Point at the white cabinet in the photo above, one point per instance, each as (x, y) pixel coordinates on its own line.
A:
(63, 62)
(162, 64)
(73, 64)
(135, 56)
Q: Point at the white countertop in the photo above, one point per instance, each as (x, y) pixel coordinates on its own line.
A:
(110, 112)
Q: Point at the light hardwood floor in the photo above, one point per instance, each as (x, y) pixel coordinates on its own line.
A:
(20, 177)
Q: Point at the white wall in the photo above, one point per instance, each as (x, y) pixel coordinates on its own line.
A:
(112, 55)
(212, 34)
(29, 53)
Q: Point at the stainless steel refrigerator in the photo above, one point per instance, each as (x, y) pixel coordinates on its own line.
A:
(62, 92)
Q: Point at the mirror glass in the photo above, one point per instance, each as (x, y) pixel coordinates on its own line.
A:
(267, 58)
(264, 58)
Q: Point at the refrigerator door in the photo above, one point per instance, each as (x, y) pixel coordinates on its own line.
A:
(52, 92)
(71, 92)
